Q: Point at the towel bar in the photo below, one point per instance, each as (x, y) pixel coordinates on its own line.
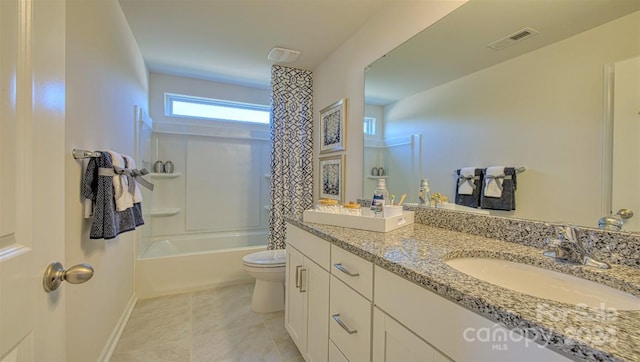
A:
(78, 154)
(518, 170)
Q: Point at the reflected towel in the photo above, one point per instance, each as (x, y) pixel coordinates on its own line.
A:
(493, 178)
(507, 199)
(472, 200)
(466, 176)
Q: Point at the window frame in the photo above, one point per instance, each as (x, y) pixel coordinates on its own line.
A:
(371, 123)
(170, 98)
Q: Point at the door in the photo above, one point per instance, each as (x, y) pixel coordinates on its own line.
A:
(295, 300)
(32, 156)
(317, 287)
(393, 342)
(626, 144)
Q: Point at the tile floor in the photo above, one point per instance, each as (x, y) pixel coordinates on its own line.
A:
(205, 326)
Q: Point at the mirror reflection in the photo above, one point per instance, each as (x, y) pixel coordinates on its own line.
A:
(534, 84)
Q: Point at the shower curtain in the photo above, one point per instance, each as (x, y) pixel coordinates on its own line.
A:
(292, 148)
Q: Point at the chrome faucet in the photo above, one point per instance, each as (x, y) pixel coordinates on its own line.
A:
(568, 248)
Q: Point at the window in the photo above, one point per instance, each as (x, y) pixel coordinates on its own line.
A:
(215, 109)
(369, 125)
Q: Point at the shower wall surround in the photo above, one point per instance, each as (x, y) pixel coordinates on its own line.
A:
(223, 187)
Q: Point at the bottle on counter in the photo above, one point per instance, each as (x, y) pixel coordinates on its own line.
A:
(424, 194)
(380, 197)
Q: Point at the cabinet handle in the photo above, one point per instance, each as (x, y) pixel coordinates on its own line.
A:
(336, 317)
(298, 284)
(345, 270)
(301, 280)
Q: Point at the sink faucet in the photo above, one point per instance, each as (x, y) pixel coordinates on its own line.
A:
(568, 248)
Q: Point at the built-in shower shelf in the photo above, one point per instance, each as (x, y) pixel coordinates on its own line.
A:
(165, 212)
(164, 175)
(376, 177)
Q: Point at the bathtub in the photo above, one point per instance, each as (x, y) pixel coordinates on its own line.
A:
(183, 264)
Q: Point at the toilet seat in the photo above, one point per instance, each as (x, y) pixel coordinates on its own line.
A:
(266, 259)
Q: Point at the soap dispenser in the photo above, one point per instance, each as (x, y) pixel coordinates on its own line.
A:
(380, 197)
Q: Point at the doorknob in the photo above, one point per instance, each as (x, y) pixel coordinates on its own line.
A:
(55, 274)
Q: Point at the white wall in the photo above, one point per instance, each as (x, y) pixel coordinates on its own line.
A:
(342, 74)
(542, 110)
(105, 78)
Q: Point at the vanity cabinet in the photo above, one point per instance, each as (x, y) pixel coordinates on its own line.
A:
(307, 293)
(341, 307)
(451, 330)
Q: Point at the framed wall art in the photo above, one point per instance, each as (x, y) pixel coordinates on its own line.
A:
(332, 127)
(332, 177)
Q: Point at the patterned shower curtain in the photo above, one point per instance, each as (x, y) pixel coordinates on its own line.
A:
(292, 148)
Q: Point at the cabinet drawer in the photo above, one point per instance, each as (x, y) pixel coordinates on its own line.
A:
(353, 270)
(349, 321)
(310, 245)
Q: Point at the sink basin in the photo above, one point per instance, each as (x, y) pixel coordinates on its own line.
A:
(543, 283)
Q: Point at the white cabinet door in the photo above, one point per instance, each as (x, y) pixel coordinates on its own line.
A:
(295, 309)
(335, 355)
(317, 291)
(307, 306)
(32, 157)
(393, 342)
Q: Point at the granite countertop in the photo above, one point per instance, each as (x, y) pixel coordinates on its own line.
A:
(418, 253)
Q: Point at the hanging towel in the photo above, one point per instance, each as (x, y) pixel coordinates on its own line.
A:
(466, 176)
(107, 221)
(473, 199)
(121, 180)
(493, 178)
(131, 165)
(507, 187)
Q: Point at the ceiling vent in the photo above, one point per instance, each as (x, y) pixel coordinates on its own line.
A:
(509, 40)
(283, 55)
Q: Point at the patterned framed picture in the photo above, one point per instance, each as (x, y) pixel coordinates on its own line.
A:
(332, 127)
(332, 177)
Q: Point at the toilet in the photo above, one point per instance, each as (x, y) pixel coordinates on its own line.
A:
(269, 268)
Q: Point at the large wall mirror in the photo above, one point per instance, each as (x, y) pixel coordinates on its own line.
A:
(558, 94)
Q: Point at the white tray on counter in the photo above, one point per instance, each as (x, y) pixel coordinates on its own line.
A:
(365, 222)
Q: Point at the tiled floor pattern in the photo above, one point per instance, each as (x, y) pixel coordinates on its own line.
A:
(206, 326)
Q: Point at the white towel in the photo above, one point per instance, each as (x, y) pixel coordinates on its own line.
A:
(493, 177)
(121, 194)
(131, 164)
(464, 186)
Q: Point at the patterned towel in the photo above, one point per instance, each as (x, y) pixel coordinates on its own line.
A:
(107, 222)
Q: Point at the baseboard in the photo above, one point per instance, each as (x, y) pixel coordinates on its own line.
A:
(111, 344)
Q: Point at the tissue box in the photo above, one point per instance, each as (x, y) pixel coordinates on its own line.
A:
(364, 222)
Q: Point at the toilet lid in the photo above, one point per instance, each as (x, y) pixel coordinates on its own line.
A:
(266, 258)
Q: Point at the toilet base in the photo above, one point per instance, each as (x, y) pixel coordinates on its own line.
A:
(267, 296)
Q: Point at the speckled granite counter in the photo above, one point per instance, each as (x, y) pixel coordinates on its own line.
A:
(418, 253)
